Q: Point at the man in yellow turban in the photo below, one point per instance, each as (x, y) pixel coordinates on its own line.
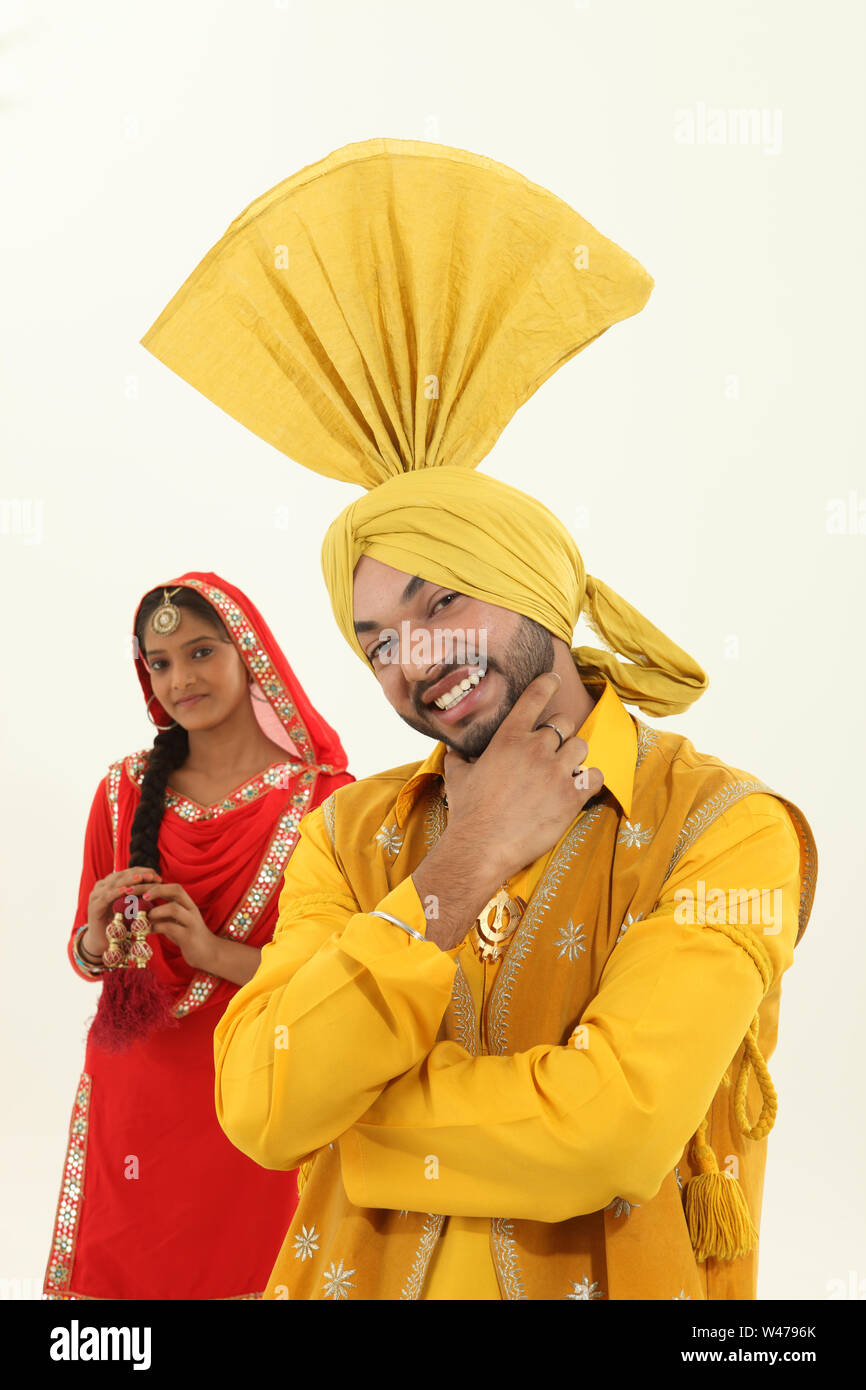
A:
(514, 1021)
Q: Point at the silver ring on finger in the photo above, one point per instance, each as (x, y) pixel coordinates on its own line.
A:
(548, 725)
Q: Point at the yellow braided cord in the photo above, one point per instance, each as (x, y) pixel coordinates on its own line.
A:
(702, 1153)
(752, 1058)
(751, 946)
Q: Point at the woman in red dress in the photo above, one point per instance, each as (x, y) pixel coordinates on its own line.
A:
(155, 1202)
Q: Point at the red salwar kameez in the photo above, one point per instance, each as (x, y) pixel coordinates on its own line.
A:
(155, 1202)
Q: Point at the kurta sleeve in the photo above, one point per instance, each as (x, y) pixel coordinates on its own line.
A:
(342, 1002)
(558, 1131)
(98, 863)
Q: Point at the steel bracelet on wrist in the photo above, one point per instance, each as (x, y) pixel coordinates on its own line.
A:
(419, 936)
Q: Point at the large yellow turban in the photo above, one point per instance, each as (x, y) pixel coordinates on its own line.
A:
(379, 317)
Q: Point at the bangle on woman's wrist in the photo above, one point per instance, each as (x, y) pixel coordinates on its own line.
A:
(91, 967)
(88, 955)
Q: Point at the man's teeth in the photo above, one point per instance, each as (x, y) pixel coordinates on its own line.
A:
(460, 691)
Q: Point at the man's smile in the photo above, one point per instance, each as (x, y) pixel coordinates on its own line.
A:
(463, 695)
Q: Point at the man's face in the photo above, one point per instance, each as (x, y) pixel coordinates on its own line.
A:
(444, 637)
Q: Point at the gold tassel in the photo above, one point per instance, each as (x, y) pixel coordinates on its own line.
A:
(717, 1213)
(304, 1170)
(719, 1221)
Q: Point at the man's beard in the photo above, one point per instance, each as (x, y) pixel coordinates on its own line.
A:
(530, 654)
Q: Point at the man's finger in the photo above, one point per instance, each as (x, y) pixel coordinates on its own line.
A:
(523, 715)
(588, 779)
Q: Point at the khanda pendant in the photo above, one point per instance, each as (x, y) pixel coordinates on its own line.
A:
(496, 924)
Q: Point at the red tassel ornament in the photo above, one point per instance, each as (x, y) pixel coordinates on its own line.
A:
(133, 1002)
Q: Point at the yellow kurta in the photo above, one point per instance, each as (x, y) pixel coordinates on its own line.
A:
(541, 1134)
(461, 1266)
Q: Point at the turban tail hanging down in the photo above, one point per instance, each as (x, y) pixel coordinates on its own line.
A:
(379, 317)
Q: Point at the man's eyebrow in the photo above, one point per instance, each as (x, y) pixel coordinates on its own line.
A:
(410, 591)
(160, 651)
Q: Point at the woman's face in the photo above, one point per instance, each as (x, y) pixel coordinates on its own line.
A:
(197, 674)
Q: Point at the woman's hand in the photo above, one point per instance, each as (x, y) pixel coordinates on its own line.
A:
(102, 897)
(177, 918)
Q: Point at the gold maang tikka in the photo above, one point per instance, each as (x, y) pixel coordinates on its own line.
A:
(167, 616)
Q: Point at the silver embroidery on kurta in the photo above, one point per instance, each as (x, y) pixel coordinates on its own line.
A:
(464, 1014)
(306, 1243)
(706, 814)
(389, 837)
(634, 836)
(584, 1289)
(620, 1207)
(647, 738)
(501, 1229)
(505, 1258)
(570, 941)
(629, 922)
(429, 1236)
(463, 1010)
(328, 809)
(336, 1282)
(524, 938)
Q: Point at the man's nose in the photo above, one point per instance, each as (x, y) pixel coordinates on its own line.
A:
(417, 658)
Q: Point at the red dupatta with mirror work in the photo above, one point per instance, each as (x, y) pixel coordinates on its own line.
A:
(200, 1219)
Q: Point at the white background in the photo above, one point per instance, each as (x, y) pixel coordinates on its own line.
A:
(695, 451)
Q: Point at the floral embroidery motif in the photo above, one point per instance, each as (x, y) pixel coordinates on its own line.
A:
(71, 1196)
(629, 922)
(571, 941)
(678, 1178)
(337, 1283)
(633, 836)
(585, 1289)
(307, 1243)
(681, 1294)
(620, 1207)
(390, 839)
